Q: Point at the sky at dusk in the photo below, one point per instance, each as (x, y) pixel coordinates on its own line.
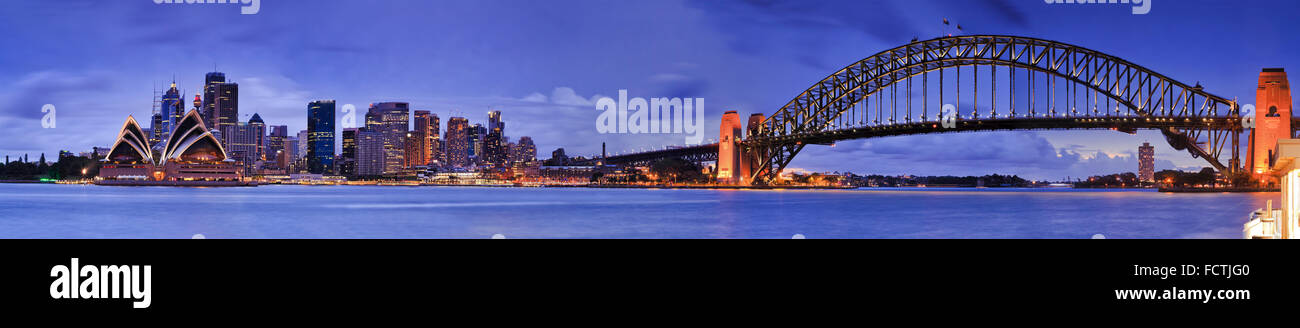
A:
(543, 64)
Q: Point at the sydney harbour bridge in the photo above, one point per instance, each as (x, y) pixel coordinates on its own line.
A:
(990, 82)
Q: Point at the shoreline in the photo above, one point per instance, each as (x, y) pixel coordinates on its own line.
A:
(116, 183)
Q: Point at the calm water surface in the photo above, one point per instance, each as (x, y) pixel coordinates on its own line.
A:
(75, 211)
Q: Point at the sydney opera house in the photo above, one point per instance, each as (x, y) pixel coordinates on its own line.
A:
(191, 155)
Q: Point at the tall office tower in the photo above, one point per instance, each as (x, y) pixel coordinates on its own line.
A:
(457, 142)
(370, 153)
(290, 154)
(257, 123)
(495, 142)
(275, 142)
(435, 140)
(320, 137)
(476, 135)
(494, 149)
(348, 160)
(157, 129)
(494, 121)
(411, 152)
(420, 139)
(226, 108)
(245, 141)
(209, 105)
(524, 150)
(393, 121)
(1272, 119)
(1146, 162)
(172, 110)
(302, 146)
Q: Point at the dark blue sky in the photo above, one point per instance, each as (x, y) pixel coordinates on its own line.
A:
(542, 62)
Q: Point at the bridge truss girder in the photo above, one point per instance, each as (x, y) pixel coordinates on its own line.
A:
(818, 114)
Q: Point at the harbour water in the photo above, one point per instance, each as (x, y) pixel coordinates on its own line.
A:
(88, 211)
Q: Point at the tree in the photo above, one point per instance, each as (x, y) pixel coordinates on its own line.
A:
(1206, 177)
(677, 170)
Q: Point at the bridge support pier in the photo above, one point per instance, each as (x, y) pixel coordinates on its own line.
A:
(729, 159)
(736, 164)
(1272, 121)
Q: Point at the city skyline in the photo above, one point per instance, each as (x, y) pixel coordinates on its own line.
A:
(280, 68)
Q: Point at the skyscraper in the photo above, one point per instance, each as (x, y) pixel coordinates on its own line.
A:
(370, 153)
(457, 142)
(225, 106)
(412, 152)
(348, 162)
(435, 140)
(172, 110)
(419, 139)
(1146, 162)
(320, 137)
(524, 151)
(260, 127)
(494, 121)
(494, 142)
(475, 139)
(275, 143)
(302, 146)
(157, 129)
(209, 104)
(392, 120)
(245, 141)
(289, 159)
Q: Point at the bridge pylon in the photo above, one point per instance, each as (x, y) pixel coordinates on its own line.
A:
(730, 162)
(1272, 119)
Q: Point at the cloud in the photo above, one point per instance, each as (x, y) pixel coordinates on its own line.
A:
(276, 98)
(566, 96)
(24, 98)
(535, 97)
(83, 101)
(678, 85)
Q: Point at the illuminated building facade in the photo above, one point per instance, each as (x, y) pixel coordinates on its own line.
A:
(418, 142)
(523, 151)
(172, 110)
(348, 159)
(435, 140)
(457, 142)
(226, 105)
(477, 133)
(209, 104)
(392, 121)
(1146, 162)
(494, 148)
(245, 142)
(370, 153)
(320, 137)
(275, 141)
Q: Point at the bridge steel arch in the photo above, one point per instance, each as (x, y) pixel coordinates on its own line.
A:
(1190, 118)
